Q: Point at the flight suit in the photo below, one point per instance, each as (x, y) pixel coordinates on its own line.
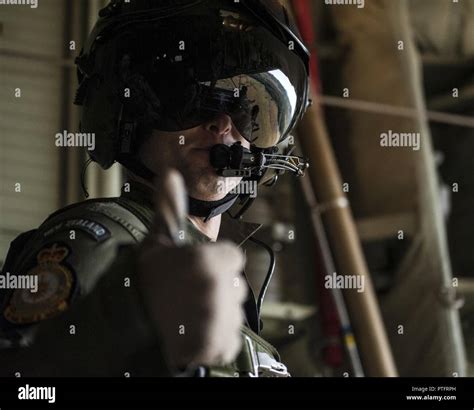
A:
(88, 317)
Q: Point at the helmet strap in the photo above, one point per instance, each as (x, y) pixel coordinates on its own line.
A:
(210, 209)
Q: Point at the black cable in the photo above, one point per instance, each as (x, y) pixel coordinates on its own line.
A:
(245, 207)
(269, 275)
(83, 177)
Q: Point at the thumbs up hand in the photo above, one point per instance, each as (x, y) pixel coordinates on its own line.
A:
(194, 293)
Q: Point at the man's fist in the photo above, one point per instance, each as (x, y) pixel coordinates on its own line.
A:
(194, 294)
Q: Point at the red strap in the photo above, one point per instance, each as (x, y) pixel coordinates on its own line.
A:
(304, 17)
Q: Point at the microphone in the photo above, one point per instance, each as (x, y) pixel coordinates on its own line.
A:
(237, 161)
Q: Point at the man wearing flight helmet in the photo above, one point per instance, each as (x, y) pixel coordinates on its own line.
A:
(189, 96)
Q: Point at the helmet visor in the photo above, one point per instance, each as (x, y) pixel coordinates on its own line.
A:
(261, 106)
(220, 61)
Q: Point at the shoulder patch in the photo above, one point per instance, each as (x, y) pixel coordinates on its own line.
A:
(96, 230)
(55, 282)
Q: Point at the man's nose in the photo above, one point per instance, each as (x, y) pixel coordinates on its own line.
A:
(221, 127)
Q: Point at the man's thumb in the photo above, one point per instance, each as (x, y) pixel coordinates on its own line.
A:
(171, 206)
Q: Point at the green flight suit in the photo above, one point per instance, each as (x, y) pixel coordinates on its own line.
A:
(88, 317)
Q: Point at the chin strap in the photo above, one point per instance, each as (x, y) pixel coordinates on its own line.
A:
(210, 209)
(201, 209)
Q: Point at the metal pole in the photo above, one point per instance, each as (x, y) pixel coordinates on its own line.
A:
(334, 207)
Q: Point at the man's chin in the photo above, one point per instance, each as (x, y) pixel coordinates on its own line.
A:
(208, 195)
(204, 184)
(209, 187)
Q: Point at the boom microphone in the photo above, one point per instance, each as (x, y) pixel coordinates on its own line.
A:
(238, 161)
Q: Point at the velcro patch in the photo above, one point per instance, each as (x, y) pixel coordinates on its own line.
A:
(99, 232)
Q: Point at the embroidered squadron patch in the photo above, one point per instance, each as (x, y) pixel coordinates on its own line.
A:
(99, 232)
(55, 284)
